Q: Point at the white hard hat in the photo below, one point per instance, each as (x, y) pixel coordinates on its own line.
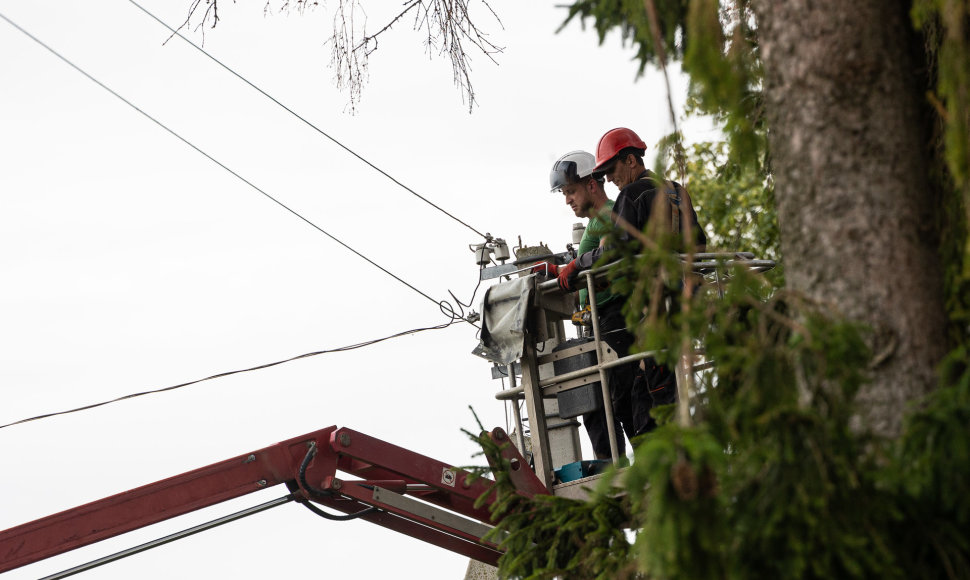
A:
(570, 168)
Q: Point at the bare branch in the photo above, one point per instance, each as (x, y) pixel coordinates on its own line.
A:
(211, 14)
(373, 37)
(349, 64)
(448, 29)
(447, 25)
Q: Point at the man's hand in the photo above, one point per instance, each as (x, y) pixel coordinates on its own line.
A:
(547, 268)
(567, 276)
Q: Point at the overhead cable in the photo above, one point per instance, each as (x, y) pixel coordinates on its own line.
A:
(446, 308)
(308, 123)
(226, 374)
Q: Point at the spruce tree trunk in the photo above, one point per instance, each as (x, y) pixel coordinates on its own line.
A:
(859, 221)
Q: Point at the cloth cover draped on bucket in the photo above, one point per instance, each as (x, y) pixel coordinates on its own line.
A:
(504, 310)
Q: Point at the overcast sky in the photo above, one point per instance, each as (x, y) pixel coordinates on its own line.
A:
(131, 262)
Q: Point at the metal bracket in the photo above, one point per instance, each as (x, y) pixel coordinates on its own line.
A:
(429, 512)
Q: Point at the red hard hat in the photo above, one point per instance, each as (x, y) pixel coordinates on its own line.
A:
(614, 141)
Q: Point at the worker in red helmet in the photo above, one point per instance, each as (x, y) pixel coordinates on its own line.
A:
(619, 158)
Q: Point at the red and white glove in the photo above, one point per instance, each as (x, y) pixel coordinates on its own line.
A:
(546, 268)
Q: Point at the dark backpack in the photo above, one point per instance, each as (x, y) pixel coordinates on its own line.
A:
(675, 210)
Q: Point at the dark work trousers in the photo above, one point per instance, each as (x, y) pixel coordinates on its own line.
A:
(633, 391)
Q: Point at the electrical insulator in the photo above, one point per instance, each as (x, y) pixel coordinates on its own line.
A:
(500, 250)
(482, 255)
(578, 230)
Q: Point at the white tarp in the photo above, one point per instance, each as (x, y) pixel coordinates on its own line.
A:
(504, 310)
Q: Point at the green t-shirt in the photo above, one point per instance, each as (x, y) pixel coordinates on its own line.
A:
(599, 225)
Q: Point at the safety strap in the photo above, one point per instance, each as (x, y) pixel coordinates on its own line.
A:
(675, 193)
(678, 202)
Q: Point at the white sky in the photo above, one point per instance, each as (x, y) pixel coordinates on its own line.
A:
(130, 262)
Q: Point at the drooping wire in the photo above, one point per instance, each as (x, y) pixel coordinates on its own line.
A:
(474, 292)
(448, 310)
(175, 32)
(223, 166)
(228, 373)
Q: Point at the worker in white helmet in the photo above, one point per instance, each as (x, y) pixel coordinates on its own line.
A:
(572, 176)
(619, 158)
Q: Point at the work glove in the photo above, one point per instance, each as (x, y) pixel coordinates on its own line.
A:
(546, 268)
(567, 276)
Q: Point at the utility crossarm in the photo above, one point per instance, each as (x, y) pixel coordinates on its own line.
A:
(399, 489)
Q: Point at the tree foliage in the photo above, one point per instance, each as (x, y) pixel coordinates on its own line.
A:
(737, 202)
(717, 44)
(770, 475)
(946, 28)
(768, 478)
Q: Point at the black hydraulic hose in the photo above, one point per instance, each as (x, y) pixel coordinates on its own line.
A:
(335, 517)
(303, 483)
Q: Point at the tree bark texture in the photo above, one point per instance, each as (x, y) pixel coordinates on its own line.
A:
(859, 219)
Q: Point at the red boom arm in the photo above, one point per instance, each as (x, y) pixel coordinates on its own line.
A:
(407, 489)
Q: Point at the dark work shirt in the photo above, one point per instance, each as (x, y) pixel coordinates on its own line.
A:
(634, 205)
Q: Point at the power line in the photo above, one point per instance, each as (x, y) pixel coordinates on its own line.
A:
(308, 123)
(228, 373)
(442, 304)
